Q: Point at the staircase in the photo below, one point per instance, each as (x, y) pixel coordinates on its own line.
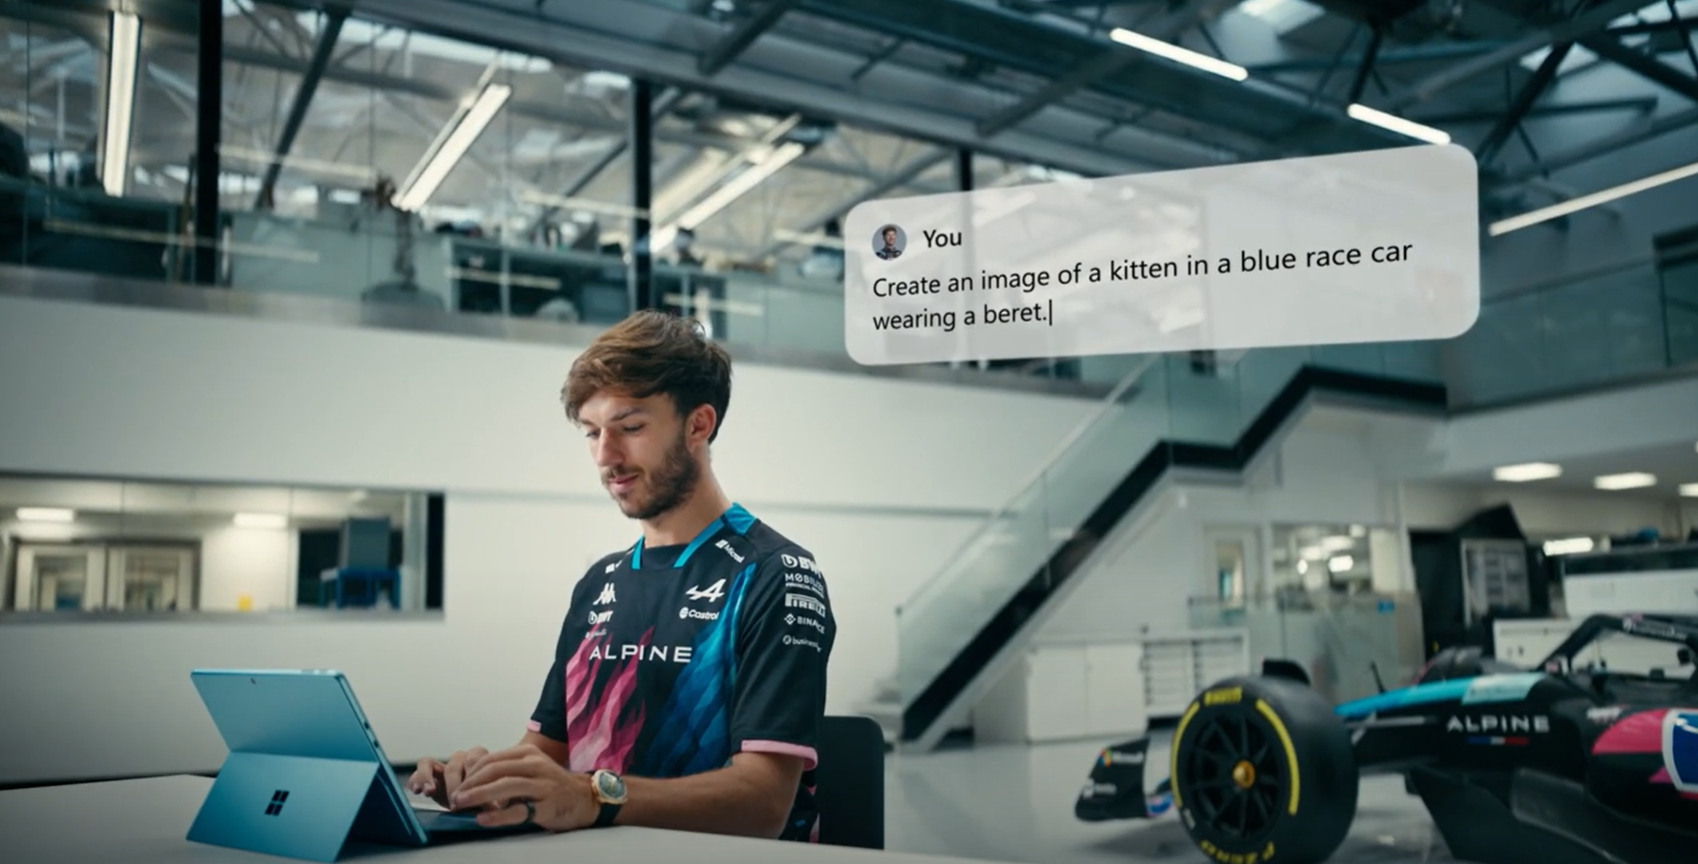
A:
(959, 629)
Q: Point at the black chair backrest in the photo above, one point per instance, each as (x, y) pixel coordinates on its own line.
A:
(849, 788)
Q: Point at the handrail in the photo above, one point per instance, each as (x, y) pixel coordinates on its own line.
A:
(1145, 362)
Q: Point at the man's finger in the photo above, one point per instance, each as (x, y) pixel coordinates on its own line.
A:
(512, 814)
(425, 777)
(499, 790)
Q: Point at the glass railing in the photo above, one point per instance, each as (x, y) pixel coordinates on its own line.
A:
(1341, 640)
(1592, 329)
(1201, 399)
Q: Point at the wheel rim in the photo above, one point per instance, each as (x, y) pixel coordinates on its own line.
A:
(1231, 776)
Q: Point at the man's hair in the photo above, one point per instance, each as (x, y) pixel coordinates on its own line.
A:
(653, 352)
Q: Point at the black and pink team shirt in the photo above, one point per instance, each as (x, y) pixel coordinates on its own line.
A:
(672, 659)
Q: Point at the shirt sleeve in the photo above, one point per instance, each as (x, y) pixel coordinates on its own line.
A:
(785, 632)
(549, 716)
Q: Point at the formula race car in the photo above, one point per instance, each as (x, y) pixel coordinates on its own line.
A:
(1590, 758)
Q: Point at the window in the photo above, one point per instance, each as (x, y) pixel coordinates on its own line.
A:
(74, 545)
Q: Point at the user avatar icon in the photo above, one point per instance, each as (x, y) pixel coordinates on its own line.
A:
(889, 242)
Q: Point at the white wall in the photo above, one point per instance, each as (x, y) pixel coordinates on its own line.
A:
(257, 563)
(882, 479)
(1145, 573)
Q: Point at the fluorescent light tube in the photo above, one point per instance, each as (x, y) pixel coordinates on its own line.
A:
(771, 164)
(1527, 472)
(261, 520)
(1629, 480)
(436, 167)
(1574, 205)
(1690, 490)
(46, 514)
(1178, 54)
(1569, 546)
(1398, 124)
(1340, 563)
(120, 101)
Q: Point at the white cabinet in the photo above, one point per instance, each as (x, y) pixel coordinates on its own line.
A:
(1059, 691)
(1526, 642)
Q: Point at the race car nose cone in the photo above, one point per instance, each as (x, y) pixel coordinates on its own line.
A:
(1244, 774)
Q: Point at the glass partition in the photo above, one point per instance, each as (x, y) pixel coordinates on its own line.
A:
(74, 546)
(1349, 643)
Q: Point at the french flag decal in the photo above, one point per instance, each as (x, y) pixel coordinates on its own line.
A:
(1680, 748)
(1498, 741)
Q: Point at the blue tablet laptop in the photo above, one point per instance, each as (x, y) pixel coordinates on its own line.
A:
(306, 777)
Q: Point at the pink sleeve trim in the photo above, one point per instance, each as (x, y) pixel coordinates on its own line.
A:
(533, 725)
(810, 757)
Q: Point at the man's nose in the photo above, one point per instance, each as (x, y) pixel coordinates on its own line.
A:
(607, 452)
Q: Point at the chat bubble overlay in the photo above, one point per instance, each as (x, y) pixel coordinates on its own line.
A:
(1376, 246)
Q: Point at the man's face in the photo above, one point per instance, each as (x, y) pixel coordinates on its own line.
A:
(642, 452)
(890, 236)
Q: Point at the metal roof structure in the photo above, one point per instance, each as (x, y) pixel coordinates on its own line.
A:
(881, 95)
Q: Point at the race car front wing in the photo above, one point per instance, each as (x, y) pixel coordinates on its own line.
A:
(1116, 787)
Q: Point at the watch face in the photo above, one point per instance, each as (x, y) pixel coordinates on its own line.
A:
(611, 787)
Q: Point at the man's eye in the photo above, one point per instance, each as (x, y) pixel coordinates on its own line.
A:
(632, 430)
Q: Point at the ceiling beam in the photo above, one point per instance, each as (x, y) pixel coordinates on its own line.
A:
(742, 36)
(1530, 93)
(322, 51)
(1636, 104)
(1419, 54)
(1110, 60)
(1602, 147)
(1565, 31)
(1643, 65)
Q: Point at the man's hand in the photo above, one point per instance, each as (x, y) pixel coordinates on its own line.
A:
(502, 783)
(439, 780)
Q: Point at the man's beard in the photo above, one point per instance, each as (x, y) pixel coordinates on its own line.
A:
(668, 485)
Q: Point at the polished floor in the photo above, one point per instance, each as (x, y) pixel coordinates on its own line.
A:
(1015, 803)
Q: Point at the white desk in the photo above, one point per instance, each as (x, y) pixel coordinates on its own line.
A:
(144, 822)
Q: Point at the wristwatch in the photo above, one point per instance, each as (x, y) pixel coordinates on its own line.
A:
(608, 791)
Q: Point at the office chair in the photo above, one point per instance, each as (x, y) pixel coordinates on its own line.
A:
(849, 788)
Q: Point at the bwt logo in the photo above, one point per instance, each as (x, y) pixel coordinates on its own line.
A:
(798, 601)
(277, 800)
(600, 617)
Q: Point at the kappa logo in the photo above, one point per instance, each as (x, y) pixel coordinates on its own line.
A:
(712, 594)
(606, 595)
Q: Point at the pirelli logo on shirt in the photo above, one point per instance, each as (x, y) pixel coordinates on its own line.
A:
(804, 602)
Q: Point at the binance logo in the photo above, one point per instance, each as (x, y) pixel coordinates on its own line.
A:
(276, 805)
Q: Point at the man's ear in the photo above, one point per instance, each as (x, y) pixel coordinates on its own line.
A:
(700, 424)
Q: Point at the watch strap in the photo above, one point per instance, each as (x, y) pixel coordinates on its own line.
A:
(608, 813)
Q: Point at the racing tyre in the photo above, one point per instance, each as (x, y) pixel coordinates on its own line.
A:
(1263, 771)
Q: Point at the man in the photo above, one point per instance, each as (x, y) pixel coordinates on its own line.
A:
(889, 251)
(689, 678)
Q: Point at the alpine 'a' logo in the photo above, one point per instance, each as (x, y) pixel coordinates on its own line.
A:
(606, 595)
(712, 594)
